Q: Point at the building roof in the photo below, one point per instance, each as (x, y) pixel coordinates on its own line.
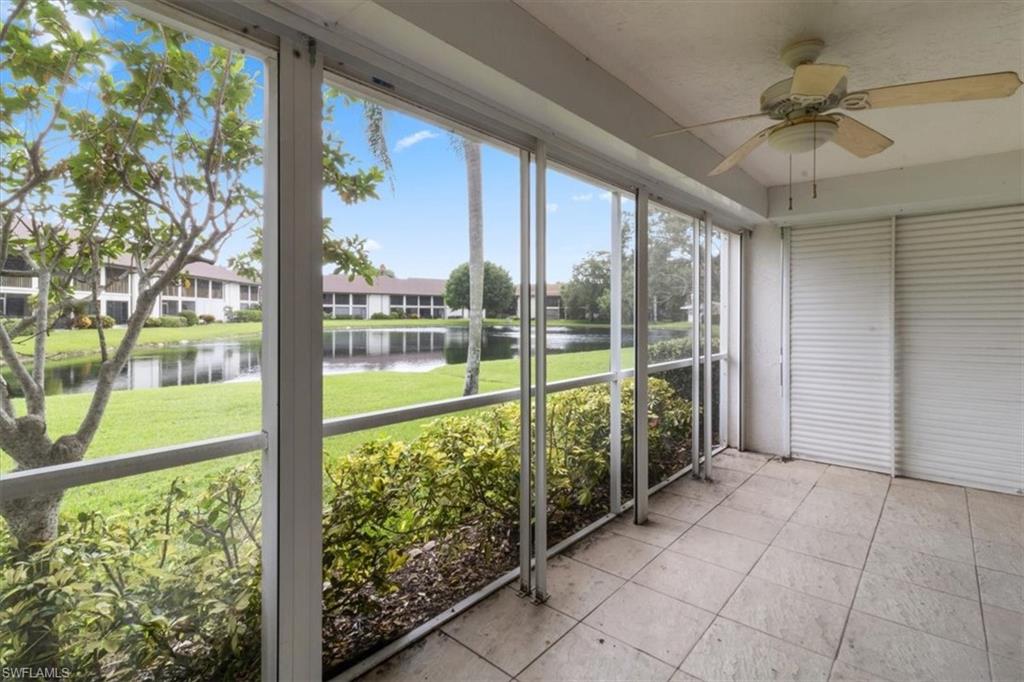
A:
(209, 271)
(422, 286)
(553, 289)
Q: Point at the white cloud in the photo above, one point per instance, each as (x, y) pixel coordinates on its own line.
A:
(83, 24)
(372, 245)
(606, 196)
(552, 208)
(415, 138)
(582, 197)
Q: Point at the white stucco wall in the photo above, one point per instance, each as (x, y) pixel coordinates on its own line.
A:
(763, 339)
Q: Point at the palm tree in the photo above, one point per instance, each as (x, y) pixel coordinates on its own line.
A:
(470, 150)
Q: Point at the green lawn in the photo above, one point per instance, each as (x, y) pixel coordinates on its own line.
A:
(65, 343)
(142, 419)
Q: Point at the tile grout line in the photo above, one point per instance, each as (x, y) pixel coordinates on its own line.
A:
(920, 631)
(717, 613)
(663, 550)
(767, 545)
(849, 611)
(977, 578)
(611, 594)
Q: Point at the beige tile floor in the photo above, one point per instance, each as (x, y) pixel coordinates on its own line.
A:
(777, 571)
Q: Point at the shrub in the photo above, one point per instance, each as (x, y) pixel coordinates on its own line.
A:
(92, 321)
(207, 319)
(397, 315)
(191, 319)
(172, 592)
(169, 593)
(249, 315)
(379, 316)
(81, 322)
(172, 321)
(671, 349)
(392, 496)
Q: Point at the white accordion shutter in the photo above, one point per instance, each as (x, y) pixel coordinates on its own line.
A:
(840, 344)
(960, 348)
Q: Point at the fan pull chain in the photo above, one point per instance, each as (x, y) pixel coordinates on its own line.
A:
(814, 160)
(790, 182)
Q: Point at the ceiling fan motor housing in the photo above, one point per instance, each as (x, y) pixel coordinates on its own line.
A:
(804, 135)
(779, 104)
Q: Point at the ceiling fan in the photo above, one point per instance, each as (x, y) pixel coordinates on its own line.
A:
(802, 105)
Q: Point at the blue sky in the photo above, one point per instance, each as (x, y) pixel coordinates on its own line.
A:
(418, 226)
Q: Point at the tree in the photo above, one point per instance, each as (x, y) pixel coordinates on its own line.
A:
(499, 290)
(153, 171)
(587, 294)
(474, 193)
(347, 254)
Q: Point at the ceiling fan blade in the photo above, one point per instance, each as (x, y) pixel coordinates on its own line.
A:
(982, 86)
(744, 149)
(708, 123)
(816, 80)
(857, 138)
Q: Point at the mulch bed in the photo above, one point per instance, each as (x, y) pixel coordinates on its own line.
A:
(441, 574)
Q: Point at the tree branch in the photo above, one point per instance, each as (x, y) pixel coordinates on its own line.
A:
(9, 21)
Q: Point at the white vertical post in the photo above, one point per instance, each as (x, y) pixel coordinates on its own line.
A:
(292, 349)
(615, 432)
(737, 304)
(695, 420)
(540, 550)
(708, 418)
(784, 346)
(724, 340)
(640, 398)
(525, 445)
(892, 348)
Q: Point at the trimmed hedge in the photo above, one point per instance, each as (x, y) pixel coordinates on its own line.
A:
(249, 315)
(172, 591)
(166, 321)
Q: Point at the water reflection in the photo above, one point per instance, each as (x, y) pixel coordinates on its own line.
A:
(344, 350)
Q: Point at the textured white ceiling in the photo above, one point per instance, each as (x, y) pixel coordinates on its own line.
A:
(704, 60)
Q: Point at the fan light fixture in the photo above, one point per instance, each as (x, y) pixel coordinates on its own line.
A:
(802, 104)
(803, 136)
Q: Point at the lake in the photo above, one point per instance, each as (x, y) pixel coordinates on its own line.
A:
(418, 349)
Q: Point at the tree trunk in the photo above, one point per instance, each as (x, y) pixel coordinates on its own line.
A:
(32, 521)
(474, 191)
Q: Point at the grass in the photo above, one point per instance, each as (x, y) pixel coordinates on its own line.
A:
(150, 418)
(68, 343)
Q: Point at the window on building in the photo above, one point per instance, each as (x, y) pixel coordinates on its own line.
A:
(188, 305)
(117, 280)
(358, 299)
(170, 308)
(202, 288)
(14, 305)
(216, 289)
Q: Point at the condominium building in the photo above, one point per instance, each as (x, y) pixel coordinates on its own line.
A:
(204, 289)
(419, 297)
(215, 290)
